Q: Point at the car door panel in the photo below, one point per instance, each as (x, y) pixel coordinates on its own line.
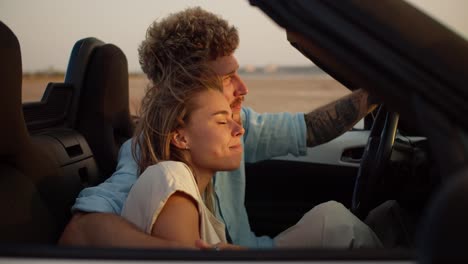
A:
(279, 191)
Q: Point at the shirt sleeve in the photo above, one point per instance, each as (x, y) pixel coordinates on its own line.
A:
(152, 190)
(270, 135)
(109, 196)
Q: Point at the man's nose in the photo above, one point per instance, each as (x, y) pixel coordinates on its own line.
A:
(241, 88)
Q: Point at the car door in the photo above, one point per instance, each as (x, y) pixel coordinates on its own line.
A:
(362, 45)
(280, 190)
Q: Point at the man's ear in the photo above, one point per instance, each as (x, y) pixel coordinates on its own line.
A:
(179, 139)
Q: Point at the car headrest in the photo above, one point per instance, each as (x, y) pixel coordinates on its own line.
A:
(14, 130)
(76, 71)
(104, 116)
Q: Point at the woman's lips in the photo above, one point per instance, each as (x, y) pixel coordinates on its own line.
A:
(236, 147)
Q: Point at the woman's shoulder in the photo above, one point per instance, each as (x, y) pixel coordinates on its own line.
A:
(173, 174)
(169, 167)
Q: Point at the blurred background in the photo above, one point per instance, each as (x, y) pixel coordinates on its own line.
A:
(279, 78)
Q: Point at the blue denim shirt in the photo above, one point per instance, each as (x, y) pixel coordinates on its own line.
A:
(266, 136)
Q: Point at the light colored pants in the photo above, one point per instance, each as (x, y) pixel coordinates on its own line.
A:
(328, 225)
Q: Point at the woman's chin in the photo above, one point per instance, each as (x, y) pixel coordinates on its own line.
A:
(234, 164)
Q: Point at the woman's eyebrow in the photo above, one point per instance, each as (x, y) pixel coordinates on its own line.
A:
(220, 112)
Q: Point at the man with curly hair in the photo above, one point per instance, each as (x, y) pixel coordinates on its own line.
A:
(195, 36)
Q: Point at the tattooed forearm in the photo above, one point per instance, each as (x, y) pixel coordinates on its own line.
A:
(326, 123)
(332, 120)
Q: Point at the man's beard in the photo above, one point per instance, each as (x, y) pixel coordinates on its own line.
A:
(237, 102)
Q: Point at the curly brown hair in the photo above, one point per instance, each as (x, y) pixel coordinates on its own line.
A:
(191, 36)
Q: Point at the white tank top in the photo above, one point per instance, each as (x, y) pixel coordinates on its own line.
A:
(154, 187)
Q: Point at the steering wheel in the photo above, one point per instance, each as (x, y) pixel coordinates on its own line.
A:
(374, 161)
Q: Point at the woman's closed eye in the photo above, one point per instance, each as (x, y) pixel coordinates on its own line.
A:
(222, 117)
(229, 118)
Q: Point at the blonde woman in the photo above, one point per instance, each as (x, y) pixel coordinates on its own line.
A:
(185, 135)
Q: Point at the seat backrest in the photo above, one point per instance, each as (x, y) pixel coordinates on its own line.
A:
(26, 217)
(103, 115)
(41, 170)
(59, 104)
(443, 236)
(93, 100)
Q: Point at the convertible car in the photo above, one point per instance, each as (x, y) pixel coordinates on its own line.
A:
(404, 173)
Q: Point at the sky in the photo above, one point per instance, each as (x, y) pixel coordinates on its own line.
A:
(48, 29)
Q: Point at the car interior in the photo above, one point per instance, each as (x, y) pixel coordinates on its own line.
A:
(70, 140)
(416, 144)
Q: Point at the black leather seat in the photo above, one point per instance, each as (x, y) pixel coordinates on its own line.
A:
(93, 100)
(77, 128)
(27, 216)
(103, 115)
(443, 237)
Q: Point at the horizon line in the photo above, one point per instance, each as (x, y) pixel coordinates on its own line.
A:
(269, 68)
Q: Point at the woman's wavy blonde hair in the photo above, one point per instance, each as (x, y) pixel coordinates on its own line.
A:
(168, 108)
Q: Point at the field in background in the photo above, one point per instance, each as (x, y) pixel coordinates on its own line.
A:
(288, 93)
